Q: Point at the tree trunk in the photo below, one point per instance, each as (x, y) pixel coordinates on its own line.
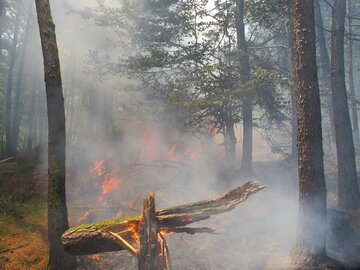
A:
(12, 58)
(230, 139)
(354, 114)
(324, 64)
(310, 246)
(18, 107)
(57, 211)
(291, 61)
(148, 234)
(348, 189)
(244, 69)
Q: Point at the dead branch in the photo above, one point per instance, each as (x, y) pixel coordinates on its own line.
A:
(97, 238)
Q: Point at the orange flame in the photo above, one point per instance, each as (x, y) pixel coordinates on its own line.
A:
(85, 216)
(110, 181)
(165, 230)
(98, 167)
(95, 257)
(134, 228)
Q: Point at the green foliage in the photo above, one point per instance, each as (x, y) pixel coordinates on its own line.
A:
(269, 14)
(185, 52)
(9, 207)
(8, 226)
(105, 223)
(18, 215)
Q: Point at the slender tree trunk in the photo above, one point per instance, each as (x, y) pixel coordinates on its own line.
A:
(9, 89)
(354, 114)
(244, 69)
(324, 64)
(310, 247)
(291, 61)
(229, 138)
(57, 211)
(19, 88)
(348, 188)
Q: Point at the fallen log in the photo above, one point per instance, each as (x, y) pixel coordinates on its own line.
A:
(99, 237)
(6, 159)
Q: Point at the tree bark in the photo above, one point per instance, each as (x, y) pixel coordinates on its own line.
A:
(148, 234)
(291, 61)
(324, 64)
(9, 89)
(244, 70)
(310, 246)
(348, 188)
(57, 211)
(354, 113)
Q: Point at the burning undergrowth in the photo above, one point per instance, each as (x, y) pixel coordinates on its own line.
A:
(114, 184)
(182, 170)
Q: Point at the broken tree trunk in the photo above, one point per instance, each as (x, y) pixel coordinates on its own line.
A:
(148, 234)
(104, 236)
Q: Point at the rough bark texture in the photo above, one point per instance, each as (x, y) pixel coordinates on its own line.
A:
(244, 69)
(96, 238)
(348, 188)
(324, 64)
(57, 212)
(148, 234)
(291, 61)
(310, 246)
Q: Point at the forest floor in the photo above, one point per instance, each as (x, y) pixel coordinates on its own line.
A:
(23, 232)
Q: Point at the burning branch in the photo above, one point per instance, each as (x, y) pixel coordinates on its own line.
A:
(148, 234)
(99, 237)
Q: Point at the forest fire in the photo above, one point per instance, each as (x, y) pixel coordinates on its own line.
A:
(110, 181)
(134, 229)
(174, 153)
(165, 230)
(85, 216)
(105, 181)
(143, 235)
(95, 257)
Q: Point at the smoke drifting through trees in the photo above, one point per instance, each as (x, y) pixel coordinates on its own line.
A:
(158, 91)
